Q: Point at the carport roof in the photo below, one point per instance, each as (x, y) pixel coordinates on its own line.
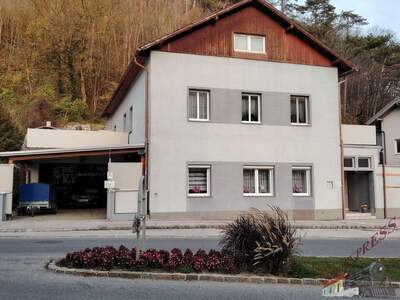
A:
(70, 152)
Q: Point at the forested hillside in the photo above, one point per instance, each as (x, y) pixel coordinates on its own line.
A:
(61, 60)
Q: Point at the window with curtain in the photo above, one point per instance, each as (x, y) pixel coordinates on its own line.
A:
(199, 102)
(199, 181)
(301, 181)
(258, 181)
(251, 108)
(299, 110)
(397, 146)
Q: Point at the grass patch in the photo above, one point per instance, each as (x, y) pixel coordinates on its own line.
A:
(328, 267)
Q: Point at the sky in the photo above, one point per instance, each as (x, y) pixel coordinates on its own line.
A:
(379, 13)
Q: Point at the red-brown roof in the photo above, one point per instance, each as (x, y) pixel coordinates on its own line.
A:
(344, 66)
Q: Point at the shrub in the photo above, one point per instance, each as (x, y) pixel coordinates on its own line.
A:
(278, 243)
(262, 241)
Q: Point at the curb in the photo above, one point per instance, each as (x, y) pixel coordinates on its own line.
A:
(51, 266)
(166, 227)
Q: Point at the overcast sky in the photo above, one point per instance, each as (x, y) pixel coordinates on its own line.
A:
(379, 13)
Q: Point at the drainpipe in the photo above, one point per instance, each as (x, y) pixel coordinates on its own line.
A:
(146, 127)
(383, 151)
(344, 81)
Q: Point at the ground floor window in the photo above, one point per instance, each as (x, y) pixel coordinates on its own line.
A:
(258, 181)
(199, 180)
(397, 146)
(301, 182)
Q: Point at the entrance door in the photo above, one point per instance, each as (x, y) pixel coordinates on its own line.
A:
(358, 190)
(6, 185)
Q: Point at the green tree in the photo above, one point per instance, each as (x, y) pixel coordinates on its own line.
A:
(10, 135)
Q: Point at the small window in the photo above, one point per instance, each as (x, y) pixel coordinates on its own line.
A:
(301, 183)
(115, 128)
(258, 181)
(131, 119)
(249, 43)
(199, 105)
(364, 162)
(299, 110)
(250, 108)
(397, 146)
(199, 181)
(349, 162)
(125, 123)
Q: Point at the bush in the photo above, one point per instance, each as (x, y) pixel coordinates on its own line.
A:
(107, 258)
(262, 241)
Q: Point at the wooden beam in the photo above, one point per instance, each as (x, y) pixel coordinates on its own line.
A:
(290, 28)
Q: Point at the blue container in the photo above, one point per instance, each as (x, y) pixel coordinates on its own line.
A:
(33, 193)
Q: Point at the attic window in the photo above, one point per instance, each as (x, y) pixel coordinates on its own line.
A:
(249, 43)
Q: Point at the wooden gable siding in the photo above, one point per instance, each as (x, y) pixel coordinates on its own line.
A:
(217, 40)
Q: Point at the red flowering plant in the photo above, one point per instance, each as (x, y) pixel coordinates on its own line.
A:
(107, 258)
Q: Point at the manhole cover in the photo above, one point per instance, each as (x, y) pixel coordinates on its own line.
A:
(49, 242)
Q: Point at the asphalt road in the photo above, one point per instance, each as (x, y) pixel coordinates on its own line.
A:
(23, 276)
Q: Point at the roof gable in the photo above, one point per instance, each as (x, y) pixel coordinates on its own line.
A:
(385, 111)
(286, 41)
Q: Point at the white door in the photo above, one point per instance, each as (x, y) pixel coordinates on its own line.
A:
(6, 185)
(126, 177)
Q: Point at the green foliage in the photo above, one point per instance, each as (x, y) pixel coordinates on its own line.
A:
(10, 135)
(70, 111)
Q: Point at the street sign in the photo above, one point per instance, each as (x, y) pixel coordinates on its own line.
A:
(109, 184)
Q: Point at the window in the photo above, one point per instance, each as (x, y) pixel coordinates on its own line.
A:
(199, 105)
(258, 181)
(301, 181)
(249, 43)
(250, 108)
(131, 119)
(397, 151)
(299, 110)
(115, 128)
(349, 162)
(199, 181)
(364, 162)
(124, 124)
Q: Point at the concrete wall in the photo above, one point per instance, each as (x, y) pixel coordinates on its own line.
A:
(391, 126)
(392, 190)
(6, 185)
(359, 135)
(59, 138)
(174, 142)
(134, 99)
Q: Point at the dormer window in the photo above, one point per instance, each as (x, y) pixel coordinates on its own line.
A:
(249, 43)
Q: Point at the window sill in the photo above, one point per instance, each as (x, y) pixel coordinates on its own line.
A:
(258, 195)
(300, 124)
(199, 120)
(301, 195)
(198, 195)
(248, 122)
(249, 51)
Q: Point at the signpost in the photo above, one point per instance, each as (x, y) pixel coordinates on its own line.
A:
(139, 221)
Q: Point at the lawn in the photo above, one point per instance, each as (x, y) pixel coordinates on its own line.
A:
(328, 267)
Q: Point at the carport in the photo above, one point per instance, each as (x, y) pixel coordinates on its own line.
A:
(76, 177)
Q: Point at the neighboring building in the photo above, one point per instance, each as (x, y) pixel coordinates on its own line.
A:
(238, 110)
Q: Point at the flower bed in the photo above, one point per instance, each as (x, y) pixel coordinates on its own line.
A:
(107, 258)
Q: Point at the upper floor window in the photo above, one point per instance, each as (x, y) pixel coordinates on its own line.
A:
(130, 121)
(397, 146)
(364, 162)
(249, 43)
(299, 110)
(251, 108)
(124, 125)
(199, 105)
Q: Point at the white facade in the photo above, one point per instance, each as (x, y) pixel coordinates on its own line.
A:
(175, 142)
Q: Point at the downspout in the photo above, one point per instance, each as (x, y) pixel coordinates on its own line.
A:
(344, 81)
(383, 151)
(146, 128)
